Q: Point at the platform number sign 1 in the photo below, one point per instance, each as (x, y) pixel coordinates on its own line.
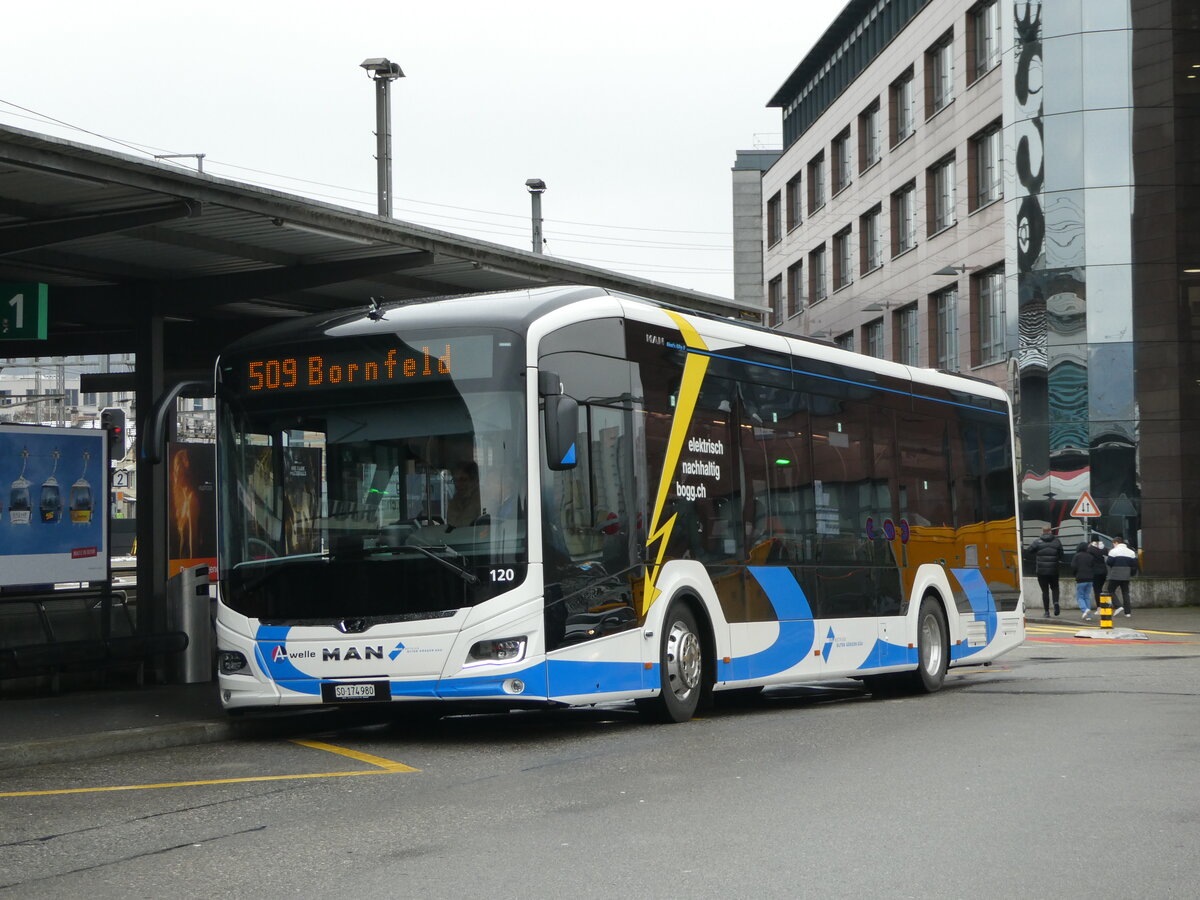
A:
(22, 312)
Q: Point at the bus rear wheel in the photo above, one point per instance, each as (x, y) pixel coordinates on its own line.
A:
(933, 650)
(681, 668)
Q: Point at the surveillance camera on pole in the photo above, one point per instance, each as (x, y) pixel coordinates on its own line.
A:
(383, 72)
(536, 188)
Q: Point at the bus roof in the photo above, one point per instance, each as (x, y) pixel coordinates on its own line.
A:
(517, 310)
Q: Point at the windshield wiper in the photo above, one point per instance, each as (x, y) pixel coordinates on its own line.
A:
(270, 567)
(461, 571)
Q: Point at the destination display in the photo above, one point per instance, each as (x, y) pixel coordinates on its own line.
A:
(434, 359)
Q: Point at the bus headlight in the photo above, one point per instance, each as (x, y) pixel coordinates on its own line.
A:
(504, 650)
(230, 662)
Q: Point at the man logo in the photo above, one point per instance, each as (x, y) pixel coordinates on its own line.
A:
(399, 649)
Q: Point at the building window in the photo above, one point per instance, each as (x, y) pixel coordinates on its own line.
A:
(794, 201)
(985, 38)
(842, 259)
(945, 328)
(903, 115)
(906, 335)
(904, 219)
(987, 175)
(845, 341)
(873, 339)
(870, 247)
(816, 183)
(795, 289)
(939, 74)
(773, 230)
(868, 137)
(818, 289)
(775, 299)
(989, 293)
(841, 161)
(939, 186)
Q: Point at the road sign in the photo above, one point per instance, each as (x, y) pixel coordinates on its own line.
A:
(22, 311)
(1085, 507)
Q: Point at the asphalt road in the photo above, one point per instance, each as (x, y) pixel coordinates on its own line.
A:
(1065, 770)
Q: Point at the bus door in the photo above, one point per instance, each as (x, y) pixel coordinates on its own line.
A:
(592, 533)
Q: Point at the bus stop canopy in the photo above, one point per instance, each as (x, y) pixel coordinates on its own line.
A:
(147, 257)
(121, 240)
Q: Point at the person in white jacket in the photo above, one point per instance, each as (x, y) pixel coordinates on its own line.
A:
(1122, 566)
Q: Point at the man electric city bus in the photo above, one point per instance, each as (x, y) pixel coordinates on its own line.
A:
(669, 505)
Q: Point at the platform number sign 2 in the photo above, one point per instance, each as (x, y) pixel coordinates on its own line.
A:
(23, 312)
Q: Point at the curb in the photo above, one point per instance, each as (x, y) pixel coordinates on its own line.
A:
(95, 745)
(79, 748)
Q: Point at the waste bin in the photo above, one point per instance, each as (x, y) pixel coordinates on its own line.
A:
(191, 612)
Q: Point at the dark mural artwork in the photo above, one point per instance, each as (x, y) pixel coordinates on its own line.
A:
(1076, 414)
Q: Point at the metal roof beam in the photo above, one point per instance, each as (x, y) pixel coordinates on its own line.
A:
(19, 236)
(205, 293)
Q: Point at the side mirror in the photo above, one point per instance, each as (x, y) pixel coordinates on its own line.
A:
(562, 424)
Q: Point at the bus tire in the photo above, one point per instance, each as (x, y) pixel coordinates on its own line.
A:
(682, 668)
(933, 647)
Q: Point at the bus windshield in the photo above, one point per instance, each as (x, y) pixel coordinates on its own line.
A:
(397, 502)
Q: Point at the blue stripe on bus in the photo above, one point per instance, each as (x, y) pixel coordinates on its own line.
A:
(277, 666)
(885, 653)
(797, 631)
(784, 592)
(873, 387)
(983, 605)
(571, 677)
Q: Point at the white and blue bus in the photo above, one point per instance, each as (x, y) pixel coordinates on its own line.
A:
(571, 496)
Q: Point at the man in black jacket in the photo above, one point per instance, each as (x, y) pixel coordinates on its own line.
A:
(1047, 553)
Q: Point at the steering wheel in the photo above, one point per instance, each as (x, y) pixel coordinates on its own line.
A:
(423, 521)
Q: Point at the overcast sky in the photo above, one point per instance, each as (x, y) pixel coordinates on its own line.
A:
(631, 112)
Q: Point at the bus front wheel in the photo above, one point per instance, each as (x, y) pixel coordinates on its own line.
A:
(681, 668)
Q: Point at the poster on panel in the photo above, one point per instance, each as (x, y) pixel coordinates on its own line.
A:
(53, 505)
(191, 506)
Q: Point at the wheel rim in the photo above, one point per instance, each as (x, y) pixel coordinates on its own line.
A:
(931, 644)
(683, 660)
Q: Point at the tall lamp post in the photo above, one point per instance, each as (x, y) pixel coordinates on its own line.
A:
(383, 72)
(536, 188)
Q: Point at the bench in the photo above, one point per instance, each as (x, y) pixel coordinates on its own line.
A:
(54, 632)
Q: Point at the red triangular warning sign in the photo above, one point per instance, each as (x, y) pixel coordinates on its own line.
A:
(1085, 507)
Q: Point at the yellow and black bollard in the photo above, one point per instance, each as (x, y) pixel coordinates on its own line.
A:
(1105, 610)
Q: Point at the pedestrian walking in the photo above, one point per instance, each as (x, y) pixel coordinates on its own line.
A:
(1083, 567)
(1122, 566)
(1047, 553)
(1096, 548)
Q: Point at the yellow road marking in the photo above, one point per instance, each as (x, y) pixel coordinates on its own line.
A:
(367, 758)
(1056, 629)
(385, 767)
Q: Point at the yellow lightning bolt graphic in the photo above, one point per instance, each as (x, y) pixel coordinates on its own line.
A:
(694, 368)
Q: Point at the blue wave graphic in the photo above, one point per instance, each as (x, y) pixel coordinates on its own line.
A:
(796, 628)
